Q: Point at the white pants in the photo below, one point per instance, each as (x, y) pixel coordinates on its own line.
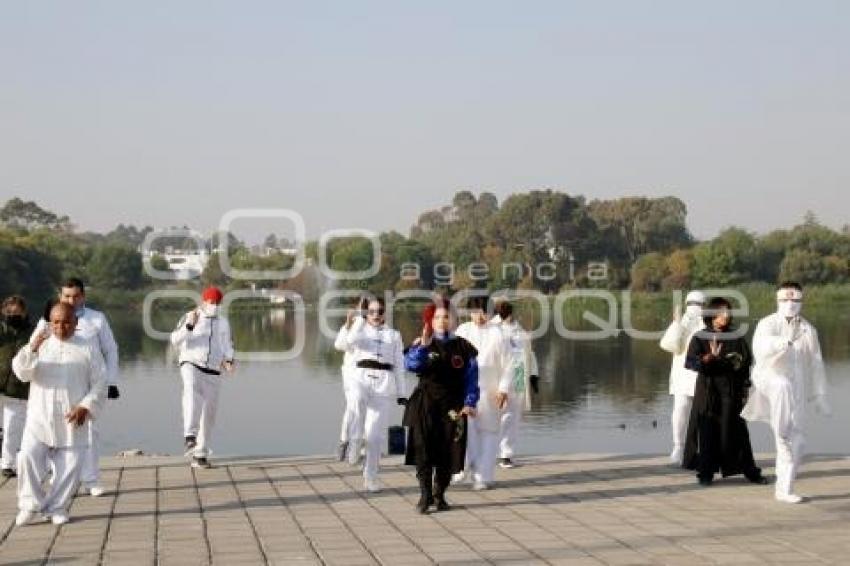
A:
(511, 418)
(789, 454)
(14, 417)
(679, 419)
(482, 449)
(376, 409)
(33, 460)
(352, 417)
(200, 402)
(90, 474)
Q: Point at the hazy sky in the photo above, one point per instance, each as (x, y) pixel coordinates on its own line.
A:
(364, 114)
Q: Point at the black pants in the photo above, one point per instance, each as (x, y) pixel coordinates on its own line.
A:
(433, 479)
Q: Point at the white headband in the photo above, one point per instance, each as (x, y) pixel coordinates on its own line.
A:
(789, 295)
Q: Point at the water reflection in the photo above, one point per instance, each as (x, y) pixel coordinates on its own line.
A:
(602, 395)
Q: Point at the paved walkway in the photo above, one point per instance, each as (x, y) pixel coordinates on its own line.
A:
(555, 510)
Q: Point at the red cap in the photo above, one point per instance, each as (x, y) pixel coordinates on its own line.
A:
(212, 295)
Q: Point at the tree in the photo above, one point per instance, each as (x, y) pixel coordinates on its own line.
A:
(115, 267)
(643, 224)
(27, 215)
(649, 272)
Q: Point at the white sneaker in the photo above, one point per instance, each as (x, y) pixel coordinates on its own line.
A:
(458, 478)
(372, 485)
(59, 519)
(96, 491)
(479, 485)
(25, 517)
(676, 455)
(788, 498)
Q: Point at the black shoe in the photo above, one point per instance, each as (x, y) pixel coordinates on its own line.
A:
(341, 451)
(190, 443)
(8, 473)
(201, 463)
(758, 480)
(705, 482)
(506, 463)
(423, 504)
(442, 505)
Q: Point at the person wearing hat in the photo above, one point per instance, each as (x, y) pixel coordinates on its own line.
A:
(93, 326)
(206, 349)
(789, 372)
(682, 380)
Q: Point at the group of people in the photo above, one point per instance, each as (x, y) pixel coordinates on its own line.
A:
(474, 380)
(478, 374)
(719, 383)
(55, 377)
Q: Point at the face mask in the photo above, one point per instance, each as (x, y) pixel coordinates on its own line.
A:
(209, 310)
(693, 311)
(789, 309)
(16, 321)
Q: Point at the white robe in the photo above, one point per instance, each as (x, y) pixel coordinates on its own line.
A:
(494, 369)
(62, 374)
(676, 340)
(785, 376)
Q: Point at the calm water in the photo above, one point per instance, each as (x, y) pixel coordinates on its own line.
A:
(596, 396)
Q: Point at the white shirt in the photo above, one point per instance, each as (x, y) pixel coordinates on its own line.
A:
(93, 325)
(63, 374)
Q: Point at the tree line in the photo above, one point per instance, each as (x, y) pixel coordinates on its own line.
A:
(544, 240)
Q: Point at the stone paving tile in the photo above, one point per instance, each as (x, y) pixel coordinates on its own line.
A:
(566, 510)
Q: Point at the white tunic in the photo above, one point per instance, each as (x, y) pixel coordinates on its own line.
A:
(676, 340)
(63, 374)
(785, 376)
(378, 343)
(494, 368)
(523, 359)
(93, 325)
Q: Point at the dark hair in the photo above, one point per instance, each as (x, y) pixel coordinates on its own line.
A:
(48, 306)
(14, 300)
(790, 285)
(713, 307)
(478, 302)
(504, 309)
(74, 283)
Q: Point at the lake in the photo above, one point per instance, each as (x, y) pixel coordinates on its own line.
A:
(606, 395)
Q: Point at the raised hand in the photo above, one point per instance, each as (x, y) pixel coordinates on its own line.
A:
(427, 334)
(715, 347)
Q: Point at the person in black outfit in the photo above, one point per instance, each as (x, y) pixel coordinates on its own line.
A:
(437, 410)
(718, 440)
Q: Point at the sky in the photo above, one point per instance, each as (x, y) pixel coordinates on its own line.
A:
(365, 114)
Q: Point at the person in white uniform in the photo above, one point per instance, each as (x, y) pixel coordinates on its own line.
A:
(67, 381)
(206, 349)
(494, 381)
(378, 379)
(788, 373)
(351, 429)
(682, 380)
(524, 381)
(94, 326)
